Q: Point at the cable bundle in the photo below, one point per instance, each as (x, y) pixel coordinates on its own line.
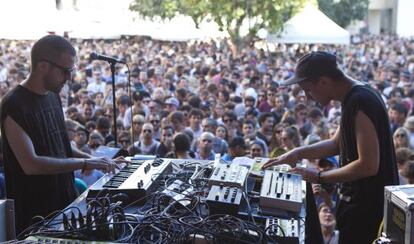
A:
(162, 219)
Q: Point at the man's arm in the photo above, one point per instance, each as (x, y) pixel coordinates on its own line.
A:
(318, 150)
(366, 165)
(78, 153)
(33, 164)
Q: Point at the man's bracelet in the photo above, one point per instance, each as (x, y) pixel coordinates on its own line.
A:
(320, 178)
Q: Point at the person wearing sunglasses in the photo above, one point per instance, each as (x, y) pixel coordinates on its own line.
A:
(146, 144)
(155, 120)
(39, 157)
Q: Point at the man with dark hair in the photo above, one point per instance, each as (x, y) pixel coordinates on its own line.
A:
(237, 148)
(166, 143)
(398, 114)
(363, 140)
(230, 122)
(103, 126)
(195, 117)
(181, 147)
(266, 122)
(177, 119)
(39, 159)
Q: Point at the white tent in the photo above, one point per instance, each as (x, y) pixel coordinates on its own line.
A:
(311, 26)
(180, 28)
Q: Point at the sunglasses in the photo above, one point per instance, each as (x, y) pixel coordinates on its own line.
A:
(207, 140)
(227, 120)
(148, 131)
(66, 71)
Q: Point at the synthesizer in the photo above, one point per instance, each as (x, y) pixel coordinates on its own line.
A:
(135, 180)
(281, 190)
(232, 175)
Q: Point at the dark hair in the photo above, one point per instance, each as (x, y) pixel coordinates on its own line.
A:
(226, 94)
(237, 141)
(315, 112)
(181, 92)
(252, 111)
(139, 95)
(50, 47)
(168, 127)
(401, 108)
(194, 101)
(177, 116)
(181, 142)
(264, 116)
(230, 115)
(195, 112)
(103, 122)
(124, 100)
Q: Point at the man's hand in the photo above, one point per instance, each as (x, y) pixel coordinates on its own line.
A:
(290, 158)
(121, 160)
(309, 174)
(102, 163)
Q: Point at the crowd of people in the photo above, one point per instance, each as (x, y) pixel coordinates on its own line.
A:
(198, 99)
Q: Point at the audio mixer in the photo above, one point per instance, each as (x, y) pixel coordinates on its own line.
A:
(232, 175)
(281, 190)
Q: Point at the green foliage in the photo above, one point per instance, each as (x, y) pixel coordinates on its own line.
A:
(343, 12)
(228, 14)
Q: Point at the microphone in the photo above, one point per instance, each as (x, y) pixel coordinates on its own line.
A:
(95, 56)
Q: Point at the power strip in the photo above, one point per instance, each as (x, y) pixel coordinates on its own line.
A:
(283, 230)
(178, 191)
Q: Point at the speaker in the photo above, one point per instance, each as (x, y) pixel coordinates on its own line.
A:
(7, 230)
(110, 152)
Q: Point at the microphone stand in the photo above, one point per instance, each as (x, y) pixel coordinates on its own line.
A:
(114, 101)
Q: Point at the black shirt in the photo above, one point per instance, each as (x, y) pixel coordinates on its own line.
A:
(41, 117)
(364, 197)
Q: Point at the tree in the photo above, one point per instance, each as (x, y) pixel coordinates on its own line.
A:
(228, 14)
(343, 12)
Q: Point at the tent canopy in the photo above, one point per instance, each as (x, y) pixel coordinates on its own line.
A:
(311, 26)
(95, 19)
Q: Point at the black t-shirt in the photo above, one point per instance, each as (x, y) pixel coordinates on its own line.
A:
(41, 117)
(365, 197)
